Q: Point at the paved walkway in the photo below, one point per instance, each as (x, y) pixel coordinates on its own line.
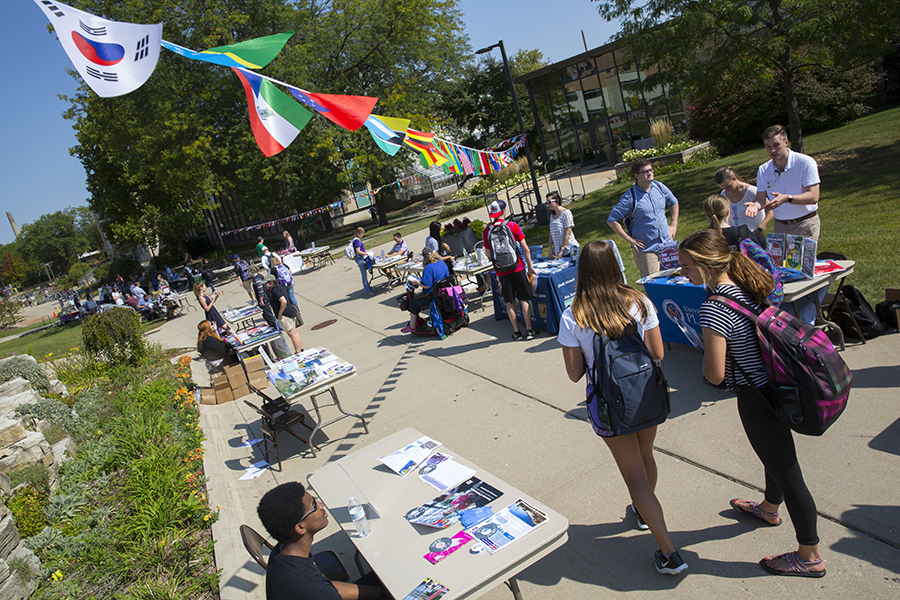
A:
(509, 407)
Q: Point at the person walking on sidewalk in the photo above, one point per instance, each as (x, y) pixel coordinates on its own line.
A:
(504, 244)
(603, 305)
(728, 338)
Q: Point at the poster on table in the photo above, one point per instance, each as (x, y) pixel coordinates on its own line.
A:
(678, 308)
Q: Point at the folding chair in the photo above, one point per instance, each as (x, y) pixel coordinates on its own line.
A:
(328, 561)
(273, 424)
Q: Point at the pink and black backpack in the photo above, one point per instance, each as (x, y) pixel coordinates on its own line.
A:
(809, 380)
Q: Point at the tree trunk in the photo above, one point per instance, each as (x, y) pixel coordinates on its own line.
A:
(791, 105)
(382, 214)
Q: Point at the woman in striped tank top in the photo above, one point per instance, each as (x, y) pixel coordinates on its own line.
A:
(727, 336)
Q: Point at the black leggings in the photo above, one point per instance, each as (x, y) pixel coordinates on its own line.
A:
(774, 445)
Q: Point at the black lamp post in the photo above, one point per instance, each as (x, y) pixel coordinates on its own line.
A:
(512, 90)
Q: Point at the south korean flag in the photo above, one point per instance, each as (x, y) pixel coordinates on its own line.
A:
(113, 58)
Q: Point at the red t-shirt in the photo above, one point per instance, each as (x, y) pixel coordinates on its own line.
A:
(517, 235)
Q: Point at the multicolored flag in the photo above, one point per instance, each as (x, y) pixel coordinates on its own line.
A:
(466, 161)
(422, 143)
(113, 58)
(349, 112)
(388, 132)
(252, 54)
(274, 116)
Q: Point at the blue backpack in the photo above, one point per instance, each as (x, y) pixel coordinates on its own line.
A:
(630, 392)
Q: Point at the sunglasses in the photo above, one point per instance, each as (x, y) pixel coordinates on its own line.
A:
(314, 508)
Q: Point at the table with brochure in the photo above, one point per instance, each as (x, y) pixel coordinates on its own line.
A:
(386, 267)
(440, 526)
(250, 339)
(317, 256)
(554, 290)
(241, 317)
(312, 373)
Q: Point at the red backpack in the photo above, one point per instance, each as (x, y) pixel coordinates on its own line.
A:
(809, 379)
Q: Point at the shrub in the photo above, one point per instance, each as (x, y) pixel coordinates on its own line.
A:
(28, 508)
(114, 337)
(9, 310)
(661, 131)
(49, 409)
(35, 474)
(19, 366)
(458, 208)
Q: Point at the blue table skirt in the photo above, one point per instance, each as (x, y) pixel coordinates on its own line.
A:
(553, 294)
(678, 307)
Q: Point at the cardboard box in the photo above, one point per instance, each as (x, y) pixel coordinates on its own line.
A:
(254, 363)
(233, 370)
(208, 396)
(240, 392)
(236, 379)
(220, 381)
(260, 383)
(224, 395)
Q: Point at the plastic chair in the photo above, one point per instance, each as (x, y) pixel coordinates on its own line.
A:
(273, 424)
(328, 562)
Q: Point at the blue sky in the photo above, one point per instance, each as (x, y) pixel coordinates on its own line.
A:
(37, 175)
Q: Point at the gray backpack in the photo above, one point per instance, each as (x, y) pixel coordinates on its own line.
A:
(504, 248)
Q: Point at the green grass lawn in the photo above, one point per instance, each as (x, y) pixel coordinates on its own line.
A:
(859, 165)
(58, 340)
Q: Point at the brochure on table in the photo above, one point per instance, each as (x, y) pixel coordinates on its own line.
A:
(508, 525)
(444, 510)
(309, 368)
(237, 314)
(428, 590)
(405, 460)
(248, 336)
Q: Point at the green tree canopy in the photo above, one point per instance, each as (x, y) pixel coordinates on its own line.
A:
(698, 43)
(58, 238)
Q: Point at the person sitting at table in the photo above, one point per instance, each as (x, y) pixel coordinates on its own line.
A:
(716, 209)
(434, 242)
(293, 517)
(400, 247)
(212, 348)
(285, 312)
(212, 313)
(435, 270)
(162, 285)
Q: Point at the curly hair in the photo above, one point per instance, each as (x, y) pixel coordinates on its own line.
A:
(280, 509)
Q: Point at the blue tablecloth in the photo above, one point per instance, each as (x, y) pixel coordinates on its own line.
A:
(552, 295)
(678, 307)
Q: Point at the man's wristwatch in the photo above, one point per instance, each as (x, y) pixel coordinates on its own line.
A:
(790, 199)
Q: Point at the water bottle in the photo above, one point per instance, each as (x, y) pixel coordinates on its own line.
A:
(358, 514)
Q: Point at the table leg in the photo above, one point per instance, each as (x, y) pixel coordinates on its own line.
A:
(337, 403)
(513, 586)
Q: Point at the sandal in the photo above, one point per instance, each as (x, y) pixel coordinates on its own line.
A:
(756, 511)
(797, 567)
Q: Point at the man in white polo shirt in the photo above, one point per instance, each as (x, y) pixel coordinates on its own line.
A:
(788, 185)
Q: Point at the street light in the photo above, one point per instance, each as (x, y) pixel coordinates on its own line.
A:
(512, 90)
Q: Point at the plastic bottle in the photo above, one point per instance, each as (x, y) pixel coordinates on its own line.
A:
(358, 514)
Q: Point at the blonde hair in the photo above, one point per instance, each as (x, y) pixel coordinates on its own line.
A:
(197, 287)
(716, 209)
(710, 252)
(602, 300)
(274, 260)
(430, 258)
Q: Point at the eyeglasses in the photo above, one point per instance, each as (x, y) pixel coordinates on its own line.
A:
(645, 172)
(314, 508)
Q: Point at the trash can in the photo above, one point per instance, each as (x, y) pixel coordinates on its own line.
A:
(542, 213)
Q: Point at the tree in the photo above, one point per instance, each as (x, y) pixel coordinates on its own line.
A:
(12, 268)
(696, 43)
(159, 156)
(57, 238)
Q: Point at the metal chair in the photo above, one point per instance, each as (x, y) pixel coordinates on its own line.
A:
(273, 424)
(328, 561)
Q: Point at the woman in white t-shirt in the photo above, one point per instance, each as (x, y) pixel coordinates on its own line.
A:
(561, 241)
(605, 305)
(738, 194)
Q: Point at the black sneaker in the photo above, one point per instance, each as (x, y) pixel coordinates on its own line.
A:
(531, 334)
(640, 522)
(517, 336)
(671, 564)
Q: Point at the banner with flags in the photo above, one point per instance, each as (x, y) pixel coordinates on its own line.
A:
(350, 112)
(251, 54)
(422, 142)
(388, 132)
(275, 117)
(297, 217)
(112, 57)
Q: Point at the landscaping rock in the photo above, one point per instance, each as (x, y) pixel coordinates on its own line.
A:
(63, 450)
(10, 432)
(33, 562)
(14, 386)
(5, 485)
(9, 536)
(8, 404)
(27, 357)
(4, 571)
(14, 589)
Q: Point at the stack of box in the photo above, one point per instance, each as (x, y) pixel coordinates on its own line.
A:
(222, 388)
(234, 383)
(256, 375)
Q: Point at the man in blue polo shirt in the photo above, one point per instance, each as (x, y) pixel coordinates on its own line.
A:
(643, 209)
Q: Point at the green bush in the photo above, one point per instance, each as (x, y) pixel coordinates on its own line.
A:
(26, 369)
(458, 208)
(49, 409)
(28, 508)
(114, 337)
(106, 273)
(35, 474)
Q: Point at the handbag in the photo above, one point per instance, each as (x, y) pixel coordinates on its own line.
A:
(403, 301)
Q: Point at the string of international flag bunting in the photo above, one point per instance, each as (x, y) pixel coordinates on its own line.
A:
(116, 58)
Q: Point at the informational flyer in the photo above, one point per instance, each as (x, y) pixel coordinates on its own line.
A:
(445, 474)
(508, 525)
(443, 511)
(428, 590)
(443, 547)
(406, 459)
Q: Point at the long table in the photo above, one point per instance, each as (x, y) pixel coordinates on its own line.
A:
(387, 268)
(554, 291)
(395, 548)
(318, 256)
(242, 317)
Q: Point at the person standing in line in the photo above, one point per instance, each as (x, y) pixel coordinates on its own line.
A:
(262, 298)
(284, 277)
(788, 186)
(514, 282)
(561, 240)
(643, 210)
(285, 312)
(362, 260)
(732, 353)
(603, 305)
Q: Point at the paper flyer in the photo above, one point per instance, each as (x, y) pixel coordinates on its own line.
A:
(406, 459)
(443, 511)
(428, 590)
(445, 474)
(508, 525)
(444, 547)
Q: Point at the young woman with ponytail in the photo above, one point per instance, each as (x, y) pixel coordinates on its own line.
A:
(717, 211)
(727, 336)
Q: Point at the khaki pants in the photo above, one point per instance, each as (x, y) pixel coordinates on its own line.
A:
(808, 228)
(647, 262)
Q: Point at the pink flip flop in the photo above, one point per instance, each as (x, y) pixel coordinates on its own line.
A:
(756, 511)
(798, 566)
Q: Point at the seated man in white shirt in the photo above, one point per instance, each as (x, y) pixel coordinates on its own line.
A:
(400, 246)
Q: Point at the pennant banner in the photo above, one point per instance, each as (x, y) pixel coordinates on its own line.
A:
(252, 54)
(387, 132)
(350, 112)
(297, 217)
(274, 117)
(113, 58)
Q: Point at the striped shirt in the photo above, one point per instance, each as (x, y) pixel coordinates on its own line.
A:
(740, 332)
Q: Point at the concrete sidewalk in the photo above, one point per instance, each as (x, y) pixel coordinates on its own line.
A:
(509, 407)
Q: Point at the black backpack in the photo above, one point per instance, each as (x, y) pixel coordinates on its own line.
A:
(630, 392)
(869, 324)
(504, 248)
